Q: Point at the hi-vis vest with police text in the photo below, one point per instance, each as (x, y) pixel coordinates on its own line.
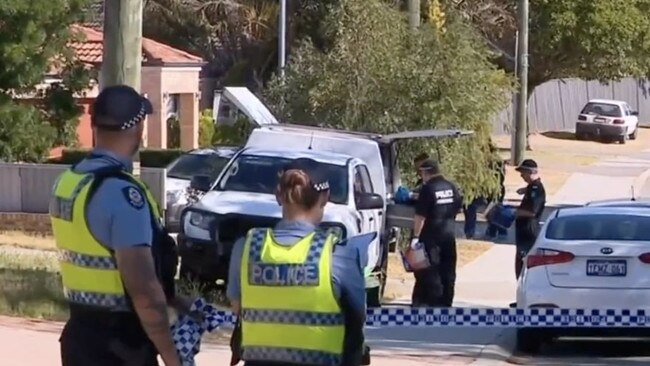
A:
(288, 309)
(88, 269)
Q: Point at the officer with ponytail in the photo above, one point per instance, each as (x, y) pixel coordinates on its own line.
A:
(298, 291)
(117, 261)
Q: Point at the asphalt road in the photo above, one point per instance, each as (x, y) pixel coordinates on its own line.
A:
(597, 352)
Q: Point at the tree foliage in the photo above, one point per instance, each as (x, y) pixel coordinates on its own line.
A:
(589, 39)
(379, 77)
(236, 37)
(34, 38)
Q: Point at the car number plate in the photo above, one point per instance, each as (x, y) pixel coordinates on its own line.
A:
(600, 120)
(607, 268)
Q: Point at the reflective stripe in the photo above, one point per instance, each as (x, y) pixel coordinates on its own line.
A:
(62, 208)
(290, 355)
(85, 260)
(315, 250)
(291, 317)
(113, 301)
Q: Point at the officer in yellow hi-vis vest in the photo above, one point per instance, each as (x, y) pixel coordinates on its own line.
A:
(300, 295)
(117, 261)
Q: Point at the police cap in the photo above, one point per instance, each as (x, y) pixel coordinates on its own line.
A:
(315, 171)
(119, 108)
(528, 165)
(430, 166)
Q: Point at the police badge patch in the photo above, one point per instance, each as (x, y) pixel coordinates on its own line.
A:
(133, 197)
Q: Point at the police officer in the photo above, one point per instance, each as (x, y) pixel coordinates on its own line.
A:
(299, 294)
(117, 261)
(434, 226)
(529, 212)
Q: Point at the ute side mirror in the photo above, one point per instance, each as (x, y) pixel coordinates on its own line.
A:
(201, 183)
(635, 113)
(369, 201)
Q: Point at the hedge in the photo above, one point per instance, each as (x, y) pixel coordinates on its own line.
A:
(149, 158)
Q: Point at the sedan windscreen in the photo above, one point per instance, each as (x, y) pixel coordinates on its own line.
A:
(260, 174)
(189, 165)
(599, 227)
(602, 109)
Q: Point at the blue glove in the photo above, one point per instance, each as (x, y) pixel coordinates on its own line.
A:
(402, 195)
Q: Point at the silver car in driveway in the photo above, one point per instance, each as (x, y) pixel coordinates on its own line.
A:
(206, 162)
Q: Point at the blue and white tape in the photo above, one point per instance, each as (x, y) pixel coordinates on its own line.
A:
(497, 317)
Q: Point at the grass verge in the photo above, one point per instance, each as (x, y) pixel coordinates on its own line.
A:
(400, 282)
(31, 284)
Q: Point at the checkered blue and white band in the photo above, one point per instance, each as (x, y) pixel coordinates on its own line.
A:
(501, 317)
(187, 331)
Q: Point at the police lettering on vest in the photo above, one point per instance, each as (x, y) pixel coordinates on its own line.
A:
(444, 197)
(284, 274)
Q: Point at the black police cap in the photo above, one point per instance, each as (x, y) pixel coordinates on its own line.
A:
(430, 166)
(529, 165)
(119, 107)
(314, 170)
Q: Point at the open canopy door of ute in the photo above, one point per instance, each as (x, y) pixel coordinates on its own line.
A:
(250, 105)
(401, 215)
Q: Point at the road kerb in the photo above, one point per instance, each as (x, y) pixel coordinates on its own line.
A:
(499, 350)
(640, 181)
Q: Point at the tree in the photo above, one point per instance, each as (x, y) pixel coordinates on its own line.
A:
(34, 39)
(569, 38)
(24, 136)
(236, 37)
(377, 76)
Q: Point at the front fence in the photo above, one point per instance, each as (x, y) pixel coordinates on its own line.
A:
(27, 187)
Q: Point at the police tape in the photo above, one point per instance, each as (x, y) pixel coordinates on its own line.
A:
(496, 317)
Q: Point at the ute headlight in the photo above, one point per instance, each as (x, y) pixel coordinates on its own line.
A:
(201, 220)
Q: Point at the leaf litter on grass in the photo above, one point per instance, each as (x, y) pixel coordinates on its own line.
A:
(31, 286)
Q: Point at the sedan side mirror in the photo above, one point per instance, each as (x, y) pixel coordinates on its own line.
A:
(635, 113)
(201, 183)
(369, 201)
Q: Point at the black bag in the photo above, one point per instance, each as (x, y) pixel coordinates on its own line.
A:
(235, 344)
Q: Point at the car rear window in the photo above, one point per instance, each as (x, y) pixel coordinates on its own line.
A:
(603, 109)
(599, 227)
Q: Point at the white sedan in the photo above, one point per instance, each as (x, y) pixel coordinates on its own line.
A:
(605, 118)
(591, 257)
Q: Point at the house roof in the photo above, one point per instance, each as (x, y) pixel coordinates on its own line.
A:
(89, 51)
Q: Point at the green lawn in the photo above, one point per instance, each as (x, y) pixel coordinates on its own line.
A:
(31, 286)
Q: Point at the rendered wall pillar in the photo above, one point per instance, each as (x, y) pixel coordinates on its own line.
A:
(189, 120)
(152, 87)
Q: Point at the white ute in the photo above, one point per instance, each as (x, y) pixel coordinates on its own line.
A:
(363, 174)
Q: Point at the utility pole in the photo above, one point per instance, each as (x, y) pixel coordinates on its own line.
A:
(522, 75)
(414, 14)
(515, 101)
(282, 38)
(122, 54)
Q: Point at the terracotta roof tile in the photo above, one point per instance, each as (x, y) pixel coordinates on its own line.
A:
(154, 53)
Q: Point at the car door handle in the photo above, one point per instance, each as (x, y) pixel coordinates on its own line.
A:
(371, 219)
(380, 213)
